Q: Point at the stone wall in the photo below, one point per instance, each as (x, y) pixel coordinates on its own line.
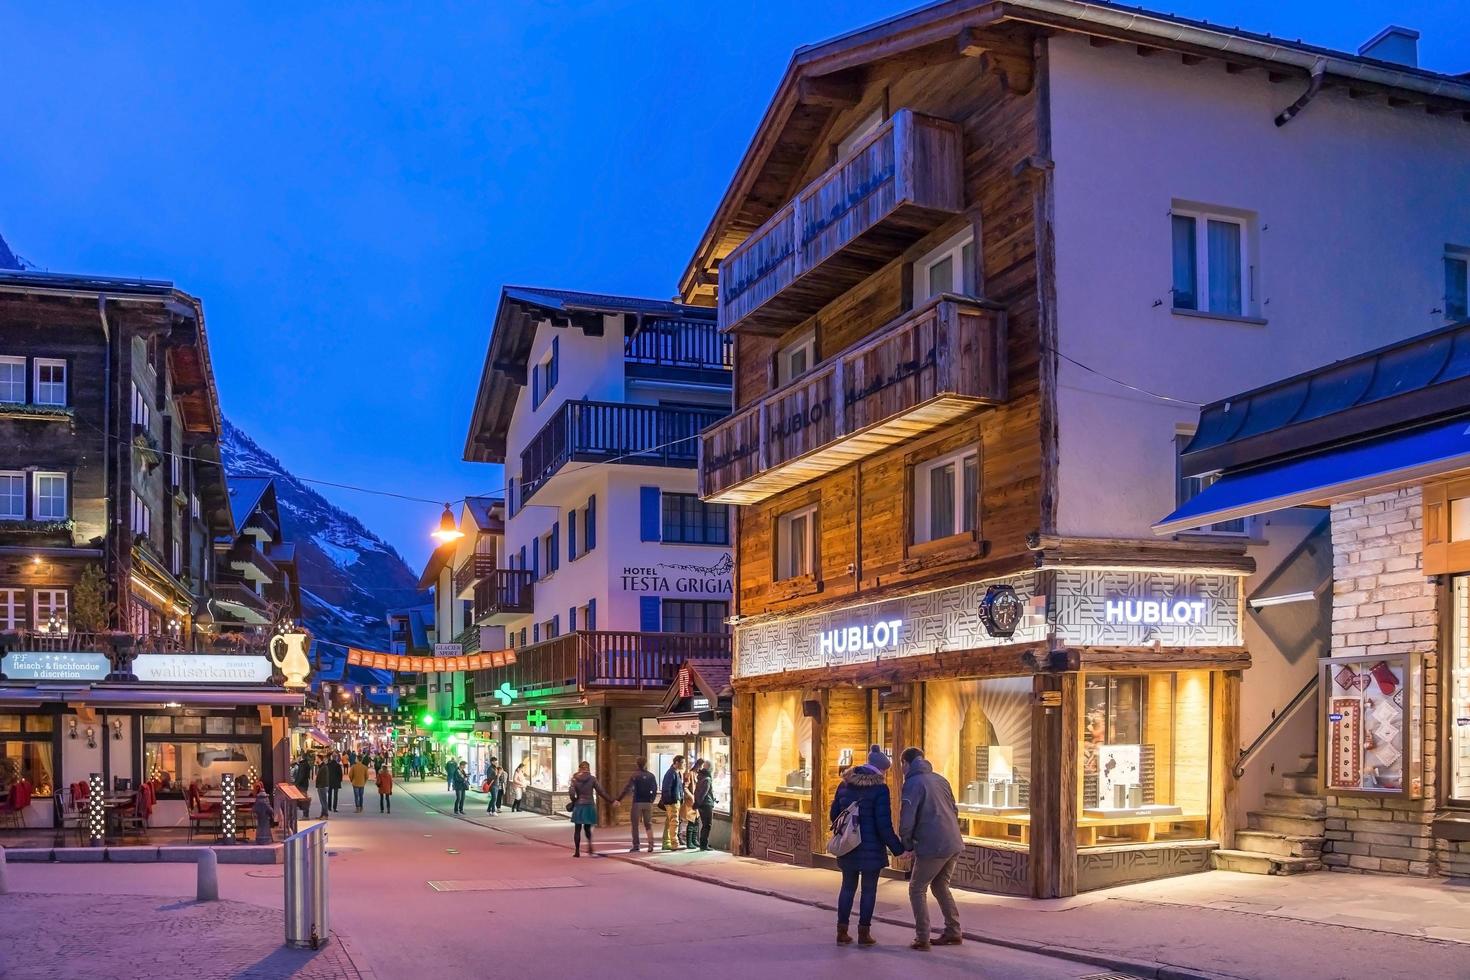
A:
(1383, 604)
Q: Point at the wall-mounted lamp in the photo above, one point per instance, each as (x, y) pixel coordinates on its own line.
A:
(91, 737)
(117, 729)
(72, 730)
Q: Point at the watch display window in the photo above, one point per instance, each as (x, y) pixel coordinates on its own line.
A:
(977, 734)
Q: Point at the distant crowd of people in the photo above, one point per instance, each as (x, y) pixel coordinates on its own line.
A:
(325, 771)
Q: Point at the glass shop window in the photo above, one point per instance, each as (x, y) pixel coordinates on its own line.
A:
(1373, 726)
(717, 751)
(977, 734)
(783, 753)
(1145, 758)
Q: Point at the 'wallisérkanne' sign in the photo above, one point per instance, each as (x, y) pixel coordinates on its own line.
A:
(187, 668)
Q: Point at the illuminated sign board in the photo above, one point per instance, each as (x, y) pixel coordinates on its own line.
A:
(1163, 612)
(22, 666)
(189, 668)
(882, 635)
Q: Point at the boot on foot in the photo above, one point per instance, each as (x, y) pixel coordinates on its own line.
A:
(865, 936)
(843, 936)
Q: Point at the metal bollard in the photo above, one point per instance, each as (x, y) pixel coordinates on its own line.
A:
(4, 885)
(306, 888)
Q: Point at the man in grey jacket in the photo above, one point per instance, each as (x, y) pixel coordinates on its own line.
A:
(929, 827)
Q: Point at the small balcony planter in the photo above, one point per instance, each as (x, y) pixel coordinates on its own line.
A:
(38, 527)
(38, 413)
(146, 447)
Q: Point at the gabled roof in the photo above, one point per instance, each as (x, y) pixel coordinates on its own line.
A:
(1405, 384)
(245, 493)
(826, 78)
(481, 510)
(520, 309)
(442, 556)
(709, 678)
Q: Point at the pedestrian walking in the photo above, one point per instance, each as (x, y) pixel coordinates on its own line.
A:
(518, 783)
(385, 789)
(450, 770)
(459, 781)
(704, 801)
(334, 778)
(687, 826)
(301, 773)
(644, 787)
(358, 777)
(865, 787)
(671, 797)
(584, 790)
(323, 788)
(929, 826)
(495, 785)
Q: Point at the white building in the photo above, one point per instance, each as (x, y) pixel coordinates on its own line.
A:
(614, 572)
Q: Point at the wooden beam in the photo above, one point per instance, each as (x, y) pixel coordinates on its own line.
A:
(1100, 42)
(1191, 59)
(1008, 57)
(1231, 68)
(835, 91)
(1144, 51)
(1224, 755)
(1275, 77)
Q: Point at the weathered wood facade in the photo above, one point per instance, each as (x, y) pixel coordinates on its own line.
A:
(899, 377)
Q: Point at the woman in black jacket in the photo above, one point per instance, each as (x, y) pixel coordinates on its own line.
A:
(704, 801)
(864, 785)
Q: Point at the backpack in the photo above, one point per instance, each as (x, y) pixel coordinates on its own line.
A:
(846, 834)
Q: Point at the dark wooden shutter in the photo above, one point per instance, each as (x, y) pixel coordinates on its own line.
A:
(650, 613)
(591, 522)
(649, 518)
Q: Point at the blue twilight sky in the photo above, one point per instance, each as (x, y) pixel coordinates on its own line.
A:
(347, 186)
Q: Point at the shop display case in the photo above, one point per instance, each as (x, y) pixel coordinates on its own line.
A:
(1371, 726)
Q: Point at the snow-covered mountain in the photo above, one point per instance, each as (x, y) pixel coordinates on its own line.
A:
(350, 577)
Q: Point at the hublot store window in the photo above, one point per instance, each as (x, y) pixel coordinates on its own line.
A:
(977, 734)
(783, 753)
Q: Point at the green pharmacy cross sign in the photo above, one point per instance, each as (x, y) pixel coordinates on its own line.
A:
(506, 694)
(537, 718)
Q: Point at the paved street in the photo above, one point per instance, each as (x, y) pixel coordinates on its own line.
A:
(514, 906)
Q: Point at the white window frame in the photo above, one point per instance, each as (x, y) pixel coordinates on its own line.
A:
(64, 608)
(1202, 218)
(923, 473)
(1452, 253)
(12, 608)
(36, 479)
(15, 360)
(37, 384)
(805, 344)
(20, 514)
(194, 505)
(142, 414)
(787, 565)
(177, 567)
(951, 248)
(865, 127)
(175, 469)
(142, 516)
(1181, 439)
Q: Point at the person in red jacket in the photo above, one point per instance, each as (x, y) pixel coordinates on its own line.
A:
(385, 788)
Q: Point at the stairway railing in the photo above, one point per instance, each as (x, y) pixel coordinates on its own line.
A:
(1304, 695)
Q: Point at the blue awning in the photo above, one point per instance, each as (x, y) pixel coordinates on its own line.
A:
(1364, 467)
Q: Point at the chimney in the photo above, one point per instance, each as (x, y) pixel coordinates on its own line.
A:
(1396, 45)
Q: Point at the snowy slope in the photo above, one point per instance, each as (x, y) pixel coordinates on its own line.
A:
(349, 576)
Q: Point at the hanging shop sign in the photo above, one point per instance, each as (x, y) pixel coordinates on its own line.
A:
(448, 649)
(288, 653)
(61, 666)
(379, 660)
(188, 668)
(1001, 610)
(681, 578)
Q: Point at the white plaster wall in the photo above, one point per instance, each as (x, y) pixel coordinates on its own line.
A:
(1355, 203)
(120, 761)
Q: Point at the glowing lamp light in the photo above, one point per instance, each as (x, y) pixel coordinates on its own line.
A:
(227, 808)
(448, 530)
(428, 719)
(96, 810)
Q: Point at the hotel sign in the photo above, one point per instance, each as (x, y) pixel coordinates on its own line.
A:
(191, 668)
(60, 666)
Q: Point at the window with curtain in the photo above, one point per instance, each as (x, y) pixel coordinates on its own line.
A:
(25, 752)
(1211, 270)
(50, 497)
(796, 543)
(1457, 284)
(946, 496)
(948, 268)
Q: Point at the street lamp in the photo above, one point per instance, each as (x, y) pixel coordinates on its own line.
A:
(448, 530)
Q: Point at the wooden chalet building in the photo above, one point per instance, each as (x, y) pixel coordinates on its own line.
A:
(256, 583)
(936, 543)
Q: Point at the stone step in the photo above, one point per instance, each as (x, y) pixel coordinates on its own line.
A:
(1291, 824)
(1278, 845)
(1302, 803)
(1301, 782)
(1308, 764)
(1251, 862)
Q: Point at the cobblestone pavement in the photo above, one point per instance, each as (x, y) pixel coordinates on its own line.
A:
(59, 937)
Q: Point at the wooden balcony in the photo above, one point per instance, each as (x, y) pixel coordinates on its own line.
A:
(896, 186)
(503, 592)
(246, 557)
(603, 660)
(607, 432)
(923, 370)
(469, 639)
(687, 350)
(469, 574)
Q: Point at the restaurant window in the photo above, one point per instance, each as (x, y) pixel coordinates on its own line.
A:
(49, 496)
(783, 753)
(946, 496)
(689, 520)
(1145, 751)
(977, 734)
(948, 268)
(1457, 284)
(50, 608)
(694, 616)
(796, 537)
(717, 751)
(1186, 488)
(12, 609)
(796, 358)
(50, 381)
(179, 749)
(25, 752)
(1212, 270)
(12, 379)
(12, 496)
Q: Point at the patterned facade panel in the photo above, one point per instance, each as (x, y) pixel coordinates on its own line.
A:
(948, 619)
(1124, 608)
(777, 837)
(1109, 866)
(1002, 870)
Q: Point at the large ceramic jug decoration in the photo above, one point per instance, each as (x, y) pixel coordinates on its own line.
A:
(288, 653)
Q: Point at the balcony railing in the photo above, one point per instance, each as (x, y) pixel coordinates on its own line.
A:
(242, 602)
(75, 641)
(503, 591)
(887, 193)
(603, 660)
(469, 639)
(923, 370)
(604, 432)
(245, 553)
(475, 568)
(680, 349)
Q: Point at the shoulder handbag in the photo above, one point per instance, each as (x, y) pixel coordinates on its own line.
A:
(846, 834)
